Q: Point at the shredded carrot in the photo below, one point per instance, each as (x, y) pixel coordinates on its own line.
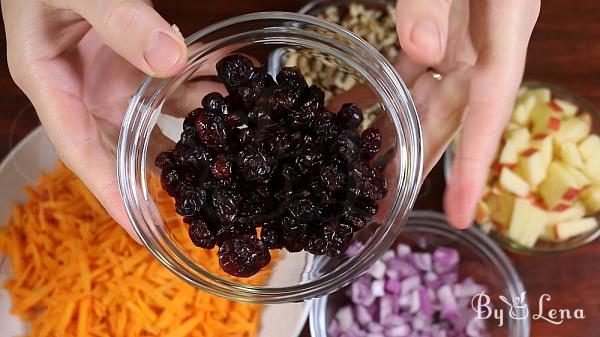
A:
(76, 273)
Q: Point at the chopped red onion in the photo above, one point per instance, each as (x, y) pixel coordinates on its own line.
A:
(401, 330)
(408, 294)
(378, 288)
(345, 318)
(448, 302)
(392, 286)
(422, 261)
(378, 270)
(362, 315)
(445, 259)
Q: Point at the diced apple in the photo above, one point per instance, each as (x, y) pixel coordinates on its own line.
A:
(546, 147)
(590, 147)
(518, 140)
(568, 229)
(532, 167)
(583, 182)
(482, 214)
(568, 109)
(577, 211)
(501, 207)
(559, 189)
(527, 222)
(569, 153)
(542, 95)
(592, 169)
(549, 233)
(544, 119)
(591, 199)
(511, 182)
(522, 112)
(574, 129)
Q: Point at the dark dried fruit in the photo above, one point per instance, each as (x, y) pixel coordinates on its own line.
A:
(169, 180)
(371, 142)
(235, 70)
(268, 167)
(190, 202)
(201, 235)
(226, 202)
(347, 146)
(292, 78)
(294, 234)
(338, 239)
(366, 207)
(215, 103)
(190, 120)
(243, 256)
(232, 231)
(333, 178)
(271, 237)
(221, 167)
(212, 131)
(188, 140)
(256, 165)
(165, 160)
(350, 116)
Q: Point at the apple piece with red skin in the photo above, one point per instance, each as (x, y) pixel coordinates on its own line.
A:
(532, 167)
(589, 148)
(527, 222)
(574, 212)
(569, 229)
(567, 108)
(559, 187)
(517, 141)
(591, 199)
(501, 206)
(544, 119)
(546, 146)
(573, 129)
(569, 154)
(522, 111)
(512, 182)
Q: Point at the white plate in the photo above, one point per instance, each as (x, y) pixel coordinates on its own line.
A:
(22, 167)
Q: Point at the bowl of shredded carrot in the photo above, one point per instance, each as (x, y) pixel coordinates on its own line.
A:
(67, 269)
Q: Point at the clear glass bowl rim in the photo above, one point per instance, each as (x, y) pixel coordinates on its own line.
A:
(507, 242)
(432, 222)
(129, 162)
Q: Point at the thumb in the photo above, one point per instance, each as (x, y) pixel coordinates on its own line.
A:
(423, 29)
(138, 33)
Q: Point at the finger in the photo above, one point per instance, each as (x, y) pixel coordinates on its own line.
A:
(423, 29)
(76, 136)
(137, 33)
(493, 88)
(440, 112)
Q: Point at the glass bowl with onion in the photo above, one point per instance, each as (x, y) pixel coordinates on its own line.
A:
(154, 122)
(543, 190)
(434, 281)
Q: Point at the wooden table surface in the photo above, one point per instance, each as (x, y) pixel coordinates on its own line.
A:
(565, 50)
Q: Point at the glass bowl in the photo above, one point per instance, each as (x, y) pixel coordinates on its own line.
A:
(153, 122)
(543, 247)
(480, 259)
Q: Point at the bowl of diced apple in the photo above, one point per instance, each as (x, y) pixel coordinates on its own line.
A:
(543, 189)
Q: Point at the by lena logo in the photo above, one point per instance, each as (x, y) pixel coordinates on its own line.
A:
(519, 310)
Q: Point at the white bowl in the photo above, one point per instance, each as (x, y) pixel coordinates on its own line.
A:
(23, 166)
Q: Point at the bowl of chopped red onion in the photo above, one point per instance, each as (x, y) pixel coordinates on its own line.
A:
(435, 281)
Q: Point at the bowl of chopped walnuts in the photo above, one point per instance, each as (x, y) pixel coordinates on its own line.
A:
(261, 169)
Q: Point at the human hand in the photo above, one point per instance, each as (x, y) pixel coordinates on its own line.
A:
(479, 48)
(79, 62)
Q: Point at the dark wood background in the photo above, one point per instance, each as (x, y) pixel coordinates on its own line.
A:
(565, 50)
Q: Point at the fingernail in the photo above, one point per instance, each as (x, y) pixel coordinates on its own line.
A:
(425, 34)
(163, 52)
